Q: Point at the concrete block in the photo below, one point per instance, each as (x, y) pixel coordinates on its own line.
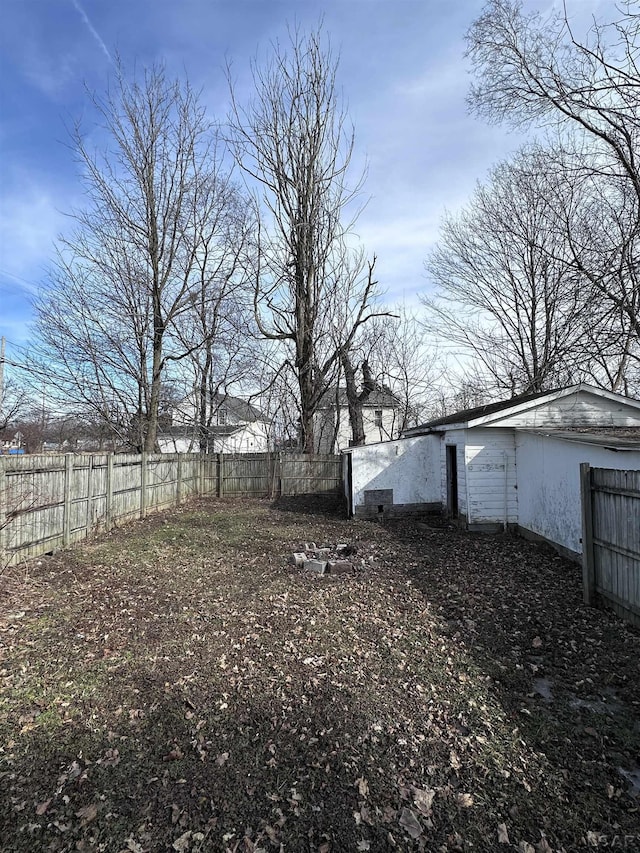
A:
(319, 566)
(298, 559)
(340, 567)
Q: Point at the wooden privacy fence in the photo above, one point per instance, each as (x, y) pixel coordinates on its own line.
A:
(48, 502)
(611, 539)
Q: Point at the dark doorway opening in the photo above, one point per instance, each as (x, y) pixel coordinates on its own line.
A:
(452, 480)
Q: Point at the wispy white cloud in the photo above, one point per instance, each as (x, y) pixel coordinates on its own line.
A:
(92, 30)
(29, 224)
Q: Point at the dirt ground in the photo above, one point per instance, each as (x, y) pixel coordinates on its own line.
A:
(178, 685)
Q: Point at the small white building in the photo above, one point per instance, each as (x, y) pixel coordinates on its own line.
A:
(513, 464)
(332, 428)
(238, 427)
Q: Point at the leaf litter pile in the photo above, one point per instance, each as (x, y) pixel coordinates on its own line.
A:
(179, 685)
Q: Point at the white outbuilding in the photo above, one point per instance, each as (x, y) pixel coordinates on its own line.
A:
(515, 463)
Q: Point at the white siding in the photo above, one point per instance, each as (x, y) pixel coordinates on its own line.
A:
(549, 484)
(250, 438)
(325, 422)
(490, 462)
(409, 466)
(579, 409)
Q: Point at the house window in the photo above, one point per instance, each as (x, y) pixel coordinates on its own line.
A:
(222, 416)
(377, 417)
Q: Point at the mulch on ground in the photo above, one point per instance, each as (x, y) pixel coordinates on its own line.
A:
(178, 685)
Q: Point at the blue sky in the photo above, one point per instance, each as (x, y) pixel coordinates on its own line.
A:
(402, 72)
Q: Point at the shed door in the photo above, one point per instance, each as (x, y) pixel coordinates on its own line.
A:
(452, 480)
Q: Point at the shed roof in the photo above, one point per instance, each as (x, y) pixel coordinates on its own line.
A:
(523, 402)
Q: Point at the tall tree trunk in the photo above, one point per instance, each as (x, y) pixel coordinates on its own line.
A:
(355, 400)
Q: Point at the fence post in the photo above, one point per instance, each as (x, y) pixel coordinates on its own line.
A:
(89, 494)
(220, 473)
(3, 514)
(179, 481)
(143, 484)
(282, 488)
(109, 496)
(588, 566)
(201, 478)
(66, 511)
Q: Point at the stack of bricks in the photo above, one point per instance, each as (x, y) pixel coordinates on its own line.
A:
(323, 560)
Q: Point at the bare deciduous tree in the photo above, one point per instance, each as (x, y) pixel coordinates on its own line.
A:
(126, 277)
(531, 70)
(508, 293)
(294, 142)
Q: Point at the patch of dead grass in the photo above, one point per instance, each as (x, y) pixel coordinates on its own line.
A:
(177, 685)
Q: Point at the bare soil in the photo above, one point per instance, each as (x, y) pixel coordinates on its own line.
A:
(178, 685)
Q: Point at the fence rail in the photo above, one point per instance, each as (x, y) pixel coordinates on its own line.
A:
(611, 539)
(48, 502)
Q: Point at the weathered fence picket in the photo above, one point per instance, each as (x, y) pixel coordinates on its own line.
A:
(611, 539)
(48, 502)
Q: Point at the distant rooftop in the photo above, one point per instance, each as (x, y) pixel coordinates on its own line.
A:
(380, 398)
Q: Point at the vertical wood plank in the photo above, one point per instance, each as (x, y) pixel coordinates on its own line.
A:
(66, 511)
(220, 472)
(89, 495)
(109, 493)
(4, 557)
(179, 481)
(143, 484)
(588, 573)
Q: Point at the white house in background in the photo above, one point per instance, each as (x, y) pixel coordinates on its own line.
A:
(515, 463)
(237, 427)
(380, 416)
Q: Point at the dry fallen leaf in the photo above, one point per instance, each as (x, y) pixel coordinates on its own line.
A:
(537, 642)
(363, 786)
(525, 847)
(174, 755)
(503, 835)
(87, 813)
(42, 807)
(423, 800)
(465, 801)
(222, 758)
(409, 822)
(183, 844)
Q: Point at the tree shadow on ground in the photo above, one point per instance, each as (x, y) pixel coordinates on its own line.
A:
(567, 675)
(329, 504)
(253, 771)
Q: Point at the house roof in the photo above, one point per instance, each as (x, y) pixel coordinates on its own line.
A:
(240, 409)
(520, 403)
(191, 432)
(380, 398)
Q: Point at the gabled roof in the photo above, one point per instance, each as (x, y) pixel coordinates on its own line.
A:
(521, 403)
(380, 398)
(190, 431)
(240, 409)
